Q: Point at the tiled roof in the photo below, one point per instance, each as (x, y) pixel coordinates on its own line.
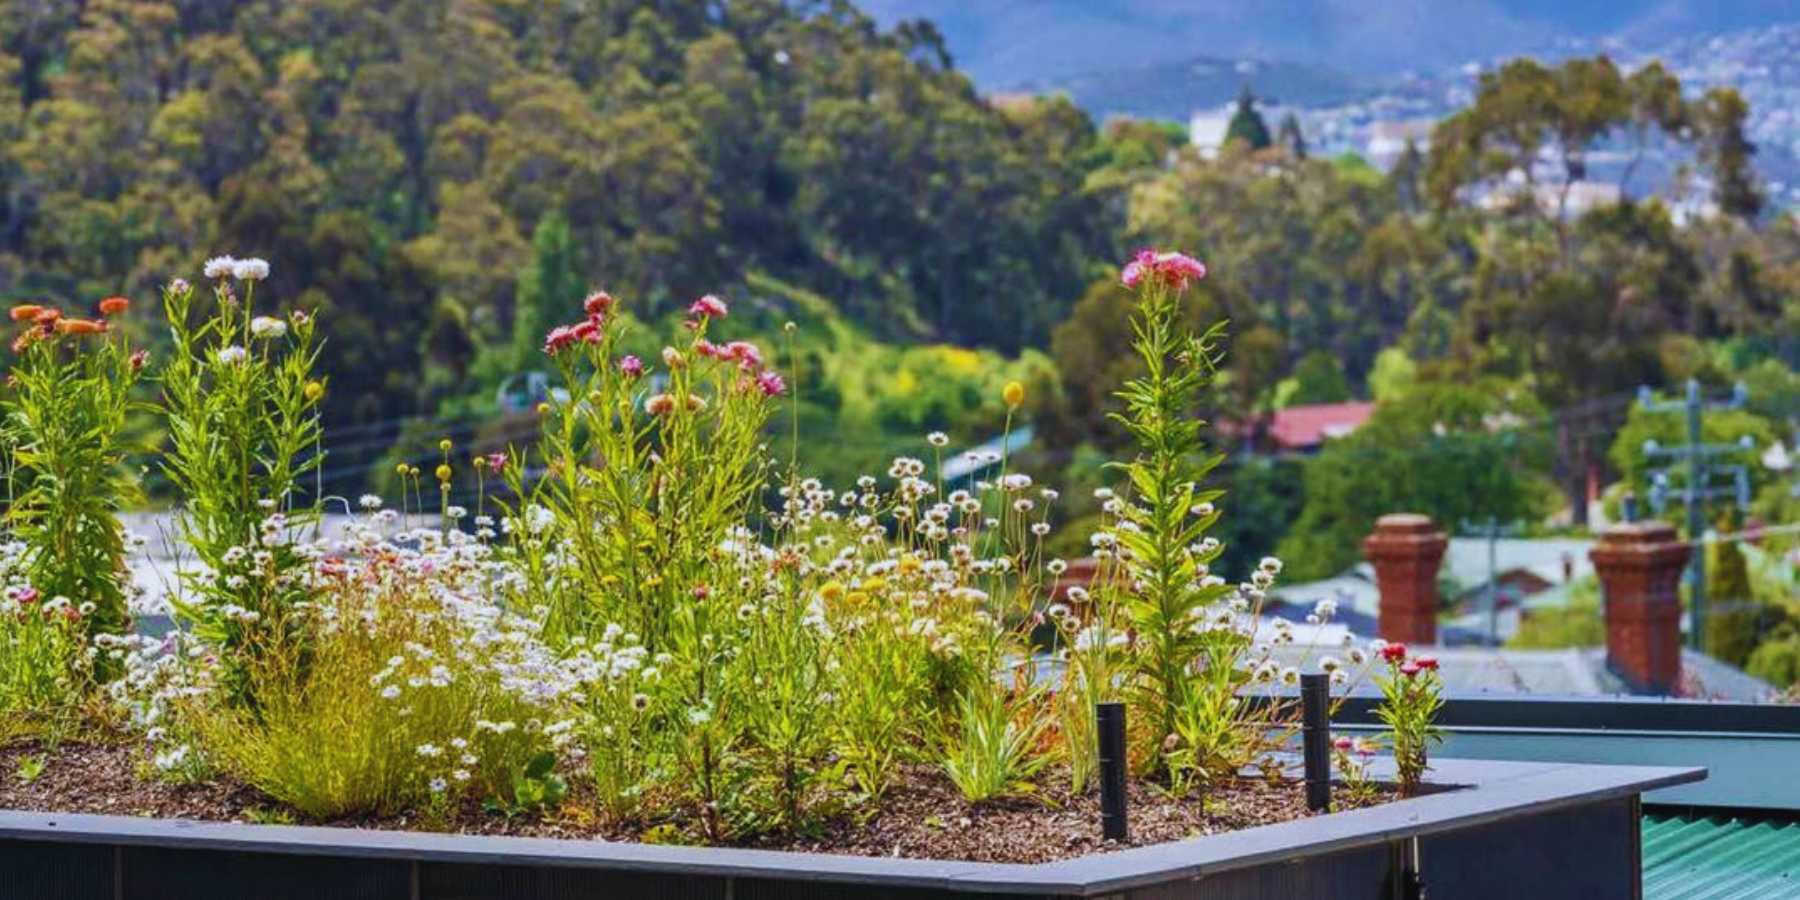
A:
(1719, 858)
(1300, 427)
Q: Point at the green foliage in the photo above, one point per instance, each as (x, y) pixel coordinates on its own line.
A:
(1577, 623)
(1468, 452)
(1318, 378)
(993, 748)
(1247, 126)
(1725, 427)
(67, 437)
(241, 406)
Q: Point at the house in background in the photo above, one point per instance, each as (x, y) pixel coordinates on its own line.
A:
(1299, 429)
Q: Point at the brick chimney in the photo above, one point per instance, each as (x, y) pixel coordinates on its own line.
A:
(1406, 550)
(1640, 567)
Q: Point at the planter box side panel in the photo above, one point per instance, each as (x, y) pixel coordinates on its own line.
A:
(446, 881)
(56, 871)
(1355, 875)
(1589, 852)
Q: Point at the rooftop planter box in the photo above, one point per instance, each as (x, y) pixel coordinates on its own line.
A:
(1485, 830)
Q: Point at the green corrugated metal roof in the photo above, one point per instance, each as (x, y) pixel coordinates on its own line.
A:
(1718, 858)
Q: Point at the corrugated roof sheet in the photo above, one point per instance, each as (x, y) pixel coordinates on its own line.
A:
(1718, 858)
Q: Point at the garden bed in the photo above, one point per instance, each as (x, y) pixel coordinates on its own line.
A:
(921, 817)
(1549, 831)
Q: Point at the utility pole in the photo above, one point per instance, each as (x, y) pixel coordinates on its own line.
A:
(1698, 487)
(1492, 530)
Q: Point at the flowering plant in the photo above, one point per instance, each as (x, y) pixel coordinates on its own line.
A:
(242, 412)
(66, 409)
(1411, 695)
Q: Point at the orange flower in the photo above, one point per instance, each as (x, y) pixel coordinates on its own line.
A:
(80, 326)
(112, 306)
(46, 315)
(25, 311)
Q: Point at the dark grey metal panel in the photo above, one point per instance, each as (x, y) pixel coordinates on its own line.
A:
(1586, 853)
(1361, 875)
(474, 882)
(801, 890)
(151, 873)
(56, 871)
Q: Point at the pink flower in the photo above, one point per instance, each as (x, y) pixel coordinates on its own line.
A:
(597, 303)
(559, 339)
(1343, 744)
(771, 384)
(588, 332)
(26, 595)
(748, 355)
(1427, 662)
(705, 347)
(497, 460)
(631, 366)
(1173, 270)
(1409, 669)
(1393, 652)
(708, 306)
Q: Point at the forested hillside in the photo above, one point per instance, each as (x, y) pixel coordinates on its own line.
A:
(398, 159)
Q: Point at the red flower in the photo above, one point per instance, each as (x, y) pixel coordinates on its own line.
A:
(1393, 652)
(771, 384)
(708, 306)
(138, 359)
(597, 303)
(588, 332)
(46, 315)
(705, 347)
(1409, 669)
(1427, 662)
(25, 311)
(1344, 744)
(559, 339)
(112, 306)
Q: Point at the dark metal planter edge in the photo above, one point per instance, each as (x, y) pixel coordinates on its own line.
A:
(1474, 792)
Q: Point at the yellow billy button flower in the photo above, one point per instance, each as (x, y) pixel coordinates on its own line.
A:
(402, 470)
(314, 390)
(1013, 394)
(444, 445)
(443, 472)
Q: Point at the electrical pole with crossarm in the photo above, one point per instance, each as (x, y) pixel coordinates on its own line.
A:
(1698, 487)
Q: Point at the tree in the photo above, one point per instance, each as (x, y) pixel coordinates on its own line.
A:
(1290, 138)
(1727, 151)
(1247, 125)
(549, 290)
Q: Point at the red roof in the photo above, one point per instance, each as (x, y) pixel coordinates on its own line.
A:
(1304, 427)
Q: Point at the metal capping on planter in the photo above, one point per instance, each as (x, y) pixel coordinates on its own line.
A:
(1473, 793)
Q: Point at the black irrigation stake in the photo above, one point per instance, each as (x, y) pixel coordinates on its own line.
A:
(1315, 721)
(1109, 719)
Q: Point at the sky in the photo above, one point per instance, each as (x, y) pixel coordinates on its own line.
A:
(1004, 42)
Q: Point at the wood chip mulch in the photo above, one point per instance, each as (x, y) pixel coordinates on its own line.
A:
(921, 817)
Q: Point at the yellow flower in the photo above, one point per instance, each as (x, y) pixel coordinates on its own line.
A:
(443, 472)
(874, 583)
(856, 598)
(909, 565)
(831, 590)
(402, 469)
(444, 445)
(314, 390)
(1013, 394)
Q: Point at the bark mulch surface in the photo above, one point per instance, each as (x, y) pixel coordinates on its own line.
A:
(921, 817)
